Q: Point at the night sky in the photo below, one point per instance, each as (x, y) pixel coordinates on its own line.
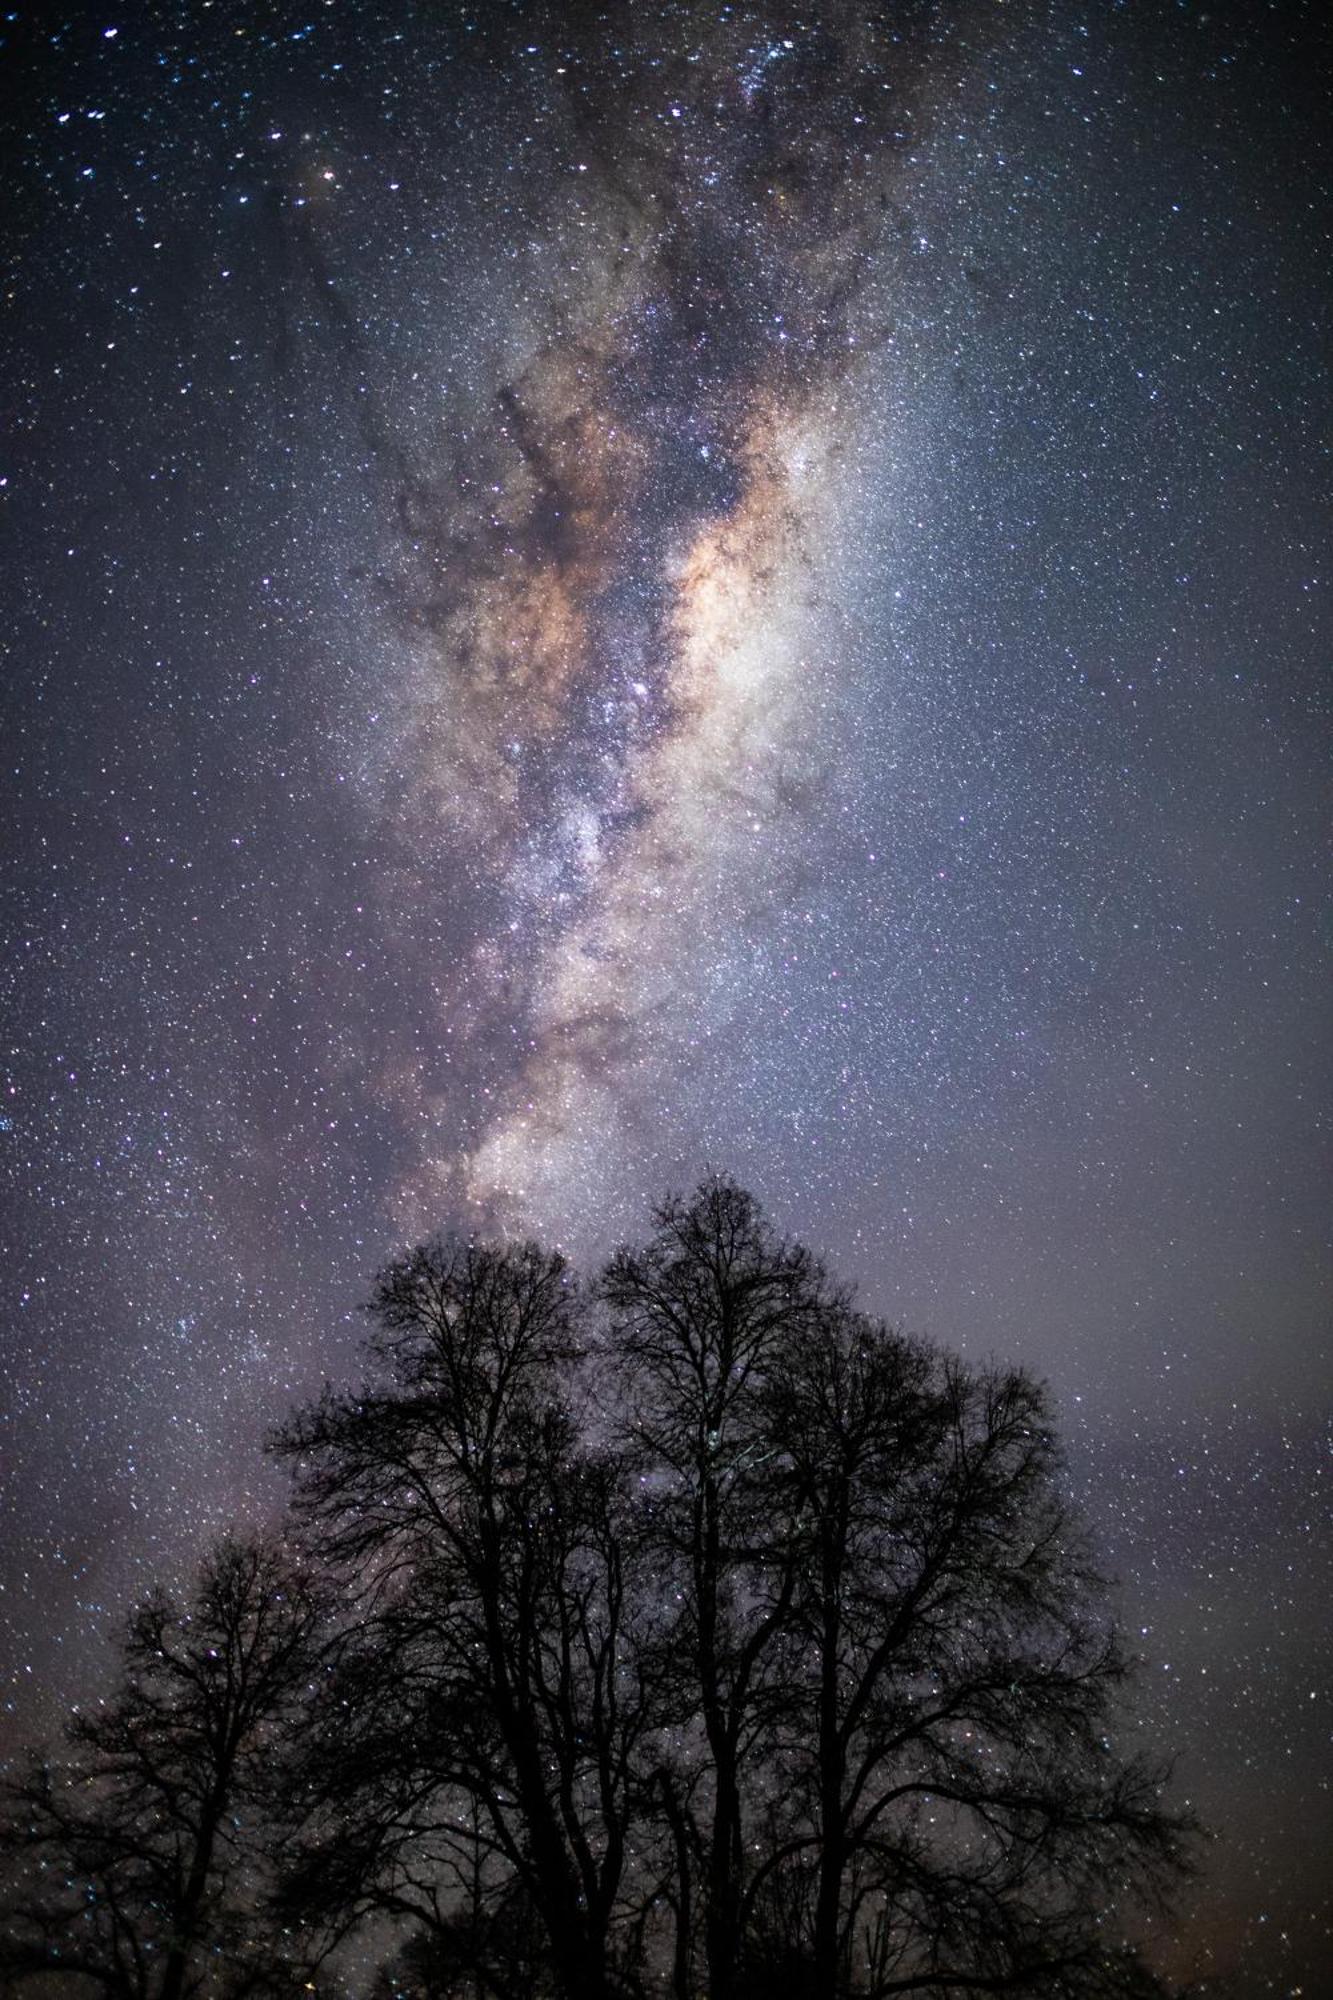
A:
(597, 593)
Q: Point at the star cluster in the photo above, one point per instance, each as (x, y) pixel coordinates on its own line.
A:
(598, 591)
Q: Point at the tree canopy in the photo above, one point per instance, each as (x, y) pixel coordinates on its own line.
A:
(697, 1633)
(135, 1858)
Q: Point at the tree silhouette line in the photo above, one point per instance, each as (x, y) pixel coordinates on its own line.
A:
(685, 1633)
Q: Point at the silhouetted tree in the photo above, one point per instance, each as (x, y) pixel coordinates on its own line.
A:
(133, 1859)
(501, 1950)
(945, 1757)
(477, 1741)
(781, 1669)
(700, 1316)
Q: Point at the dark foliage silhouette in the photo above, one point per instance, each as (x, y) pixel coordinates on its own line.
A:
(709, 1634)
(135, 1859)
(691, 1633)
(479, 1738)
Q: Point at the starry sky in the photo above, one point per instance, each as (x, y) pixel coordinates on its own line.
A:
(596, 592)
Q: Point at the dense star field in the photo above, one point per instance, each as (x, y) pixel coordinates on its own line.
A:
(598, 592)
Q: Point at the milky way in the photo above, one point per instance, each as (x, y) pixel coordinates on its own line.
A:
(597, 592)
(614, 633)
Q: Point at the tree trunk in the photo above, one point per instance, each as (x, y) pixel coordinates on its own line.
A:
(722, 1888)
(832, 1858)
(828, 1912)
(680, 1970)
(722, 1924)
(192, 1900)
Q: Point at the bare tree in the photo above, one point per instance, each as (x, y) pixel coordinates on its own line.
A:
(783, 1670)
(134, 1858)
(701, 1315)
(477, 1741)
(886, 1760)
(952, 1796)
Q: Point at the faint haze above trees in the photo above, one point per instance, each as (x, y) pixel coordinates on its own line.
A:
(686, 1632)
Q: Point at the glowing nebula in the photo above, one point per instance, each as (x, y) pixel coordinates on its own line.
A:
(618, 665)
